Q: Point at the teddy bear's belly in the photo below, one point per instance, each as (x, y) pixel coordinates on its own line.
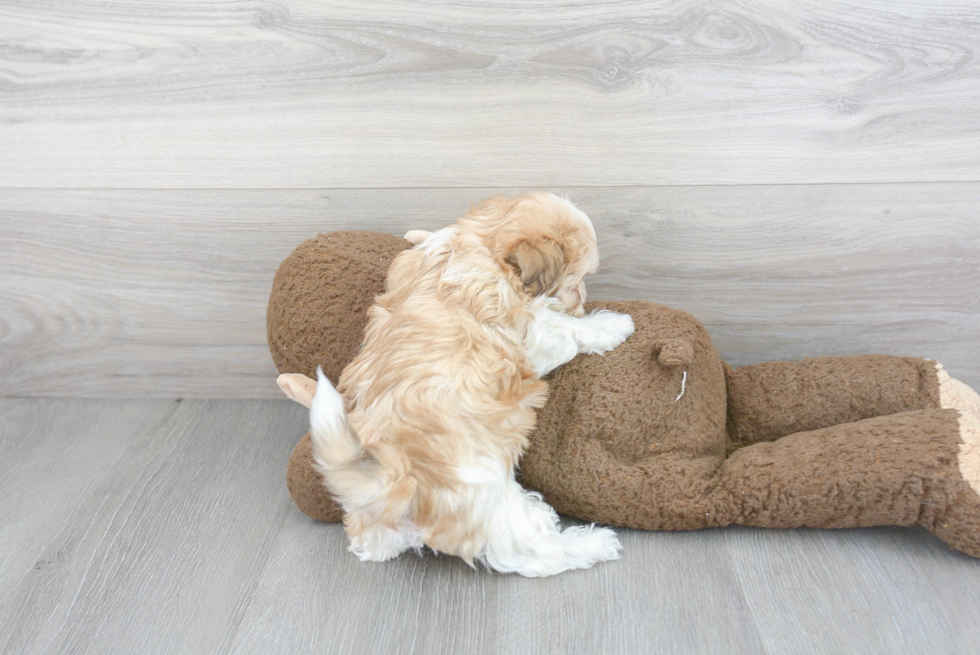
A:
(630, 404)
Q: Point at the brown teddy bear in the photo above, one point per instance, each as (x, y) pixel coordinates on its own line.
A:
(661, 434)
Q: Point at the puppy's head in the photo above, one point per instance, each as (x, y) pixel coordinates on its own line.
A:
(543, 243)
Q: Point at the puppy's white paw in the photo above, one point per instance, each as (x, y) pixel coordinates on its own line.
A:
(607, 330)
(586, 545)
(379, 543)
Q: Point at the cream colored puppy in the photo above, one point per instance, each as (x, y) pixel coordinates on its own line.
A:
(442, 397)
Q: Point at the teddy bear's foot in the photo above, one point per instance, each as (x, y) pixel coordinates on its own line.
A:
(954, 394)
(969, 455)
(959, 525)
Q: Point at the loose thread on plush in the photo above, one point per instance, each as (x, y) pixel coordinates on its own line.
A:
(683, 386)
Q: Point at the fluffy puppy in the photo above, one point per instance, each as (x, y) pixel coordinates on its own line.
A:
(442, 396)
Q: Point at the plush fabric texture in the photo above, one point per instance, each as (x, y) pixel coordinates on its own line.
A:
(661, 434)
(320, 296)
(306, 486)
(773, 399)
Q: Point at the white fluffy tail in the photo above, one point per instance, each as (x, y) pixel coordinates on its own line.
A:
(356, 479)
(334, 442)
(350, 473)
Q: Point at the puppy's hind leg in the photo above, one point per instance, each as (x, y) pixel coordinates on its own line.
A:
(524, 537)
(376, 542)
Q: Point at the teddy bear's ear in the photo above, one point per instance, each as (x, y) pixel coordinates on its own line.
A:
(540, 265)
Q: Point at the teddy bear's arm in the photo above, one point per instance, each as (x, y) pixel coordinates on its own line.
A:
(297, 387)
(415, 237)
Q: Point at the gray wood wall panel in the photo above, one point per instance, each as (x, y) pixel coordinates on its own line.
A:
(184, 540)
(163, 293)
(449, 94)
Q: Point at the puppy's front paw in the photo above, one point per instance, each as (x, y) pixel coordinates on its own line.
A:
(608, 330)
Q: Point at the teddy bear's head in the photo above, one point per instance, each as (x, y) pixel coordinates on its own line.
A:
(320, 297)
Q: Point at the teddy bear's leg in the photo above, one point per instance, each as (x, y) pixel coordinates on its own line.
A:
(920, 467)
(661, 492)
(773, 399)
(914, 468)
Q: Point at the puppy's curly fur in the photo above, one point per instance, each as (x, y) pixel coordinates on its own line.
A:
(442, 397)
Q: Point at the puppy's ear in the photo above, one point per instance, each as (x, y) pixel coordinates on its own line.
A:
(539, 264)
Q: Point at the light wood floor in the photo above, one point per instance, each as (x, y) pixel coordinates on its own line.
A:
(155, 526)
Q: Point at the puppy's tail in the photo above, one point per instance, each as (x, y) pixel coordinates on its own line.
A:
(350, 472)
